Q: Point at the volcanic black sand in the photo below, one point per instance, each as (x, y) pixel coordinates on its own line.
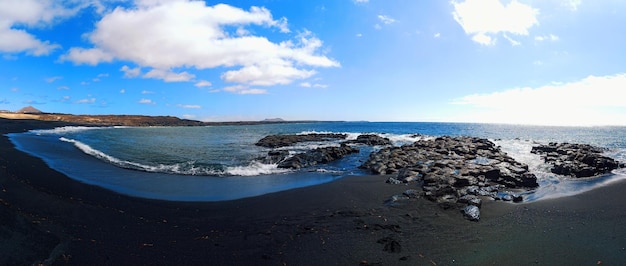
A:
(46, 217)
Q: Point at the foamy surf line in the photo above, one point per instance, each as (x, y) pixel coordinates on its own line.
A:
(572, 187)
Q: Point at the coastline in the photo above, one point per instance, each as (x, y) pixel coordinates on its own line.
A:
(344, 222)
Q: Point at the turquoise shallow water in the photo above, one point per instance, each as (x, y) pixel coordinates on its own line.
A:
(221, 162)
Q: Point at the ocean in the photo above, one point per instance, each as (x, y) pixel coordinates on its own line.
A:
(216, 163)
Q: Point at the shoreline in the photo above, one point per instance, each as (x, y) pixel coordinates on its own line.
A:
(344, 222)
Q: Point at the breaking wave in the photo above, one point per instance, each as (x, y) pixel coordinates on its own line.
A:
(184, 168)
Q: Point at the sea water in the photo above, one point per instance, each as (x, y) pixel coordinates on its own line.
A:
(214, 163)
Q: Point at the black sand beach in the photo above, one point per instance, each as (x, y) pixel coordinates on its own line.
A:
(45, 217)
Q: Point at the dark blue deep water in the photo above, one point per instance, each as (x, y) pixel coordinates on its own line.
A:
(220, 162)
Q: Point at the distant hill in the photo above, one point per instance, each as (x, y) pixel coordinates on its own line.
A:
(29, 110)
(273, 120)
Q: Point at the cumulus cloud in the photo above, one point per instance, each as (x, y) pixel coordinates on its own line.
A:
(485, 19)
(169, 76)
(130, 72)
(166, 35)
(590, 101)
(29, 14)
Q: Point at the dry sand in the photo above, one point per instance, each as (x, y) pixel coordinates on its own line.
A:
(47, 217)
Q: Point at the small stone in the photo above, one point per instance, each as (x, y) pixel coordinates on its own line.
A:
(471, 213)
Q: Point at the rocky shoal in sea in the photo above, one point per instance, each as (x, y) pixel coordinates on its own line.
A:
(454, 172)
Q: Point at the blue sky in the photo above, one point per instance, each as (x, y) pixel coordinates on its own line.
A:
(556, 62)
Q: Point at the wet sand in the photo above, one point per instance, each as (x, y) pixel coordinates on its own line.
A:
(48, 217)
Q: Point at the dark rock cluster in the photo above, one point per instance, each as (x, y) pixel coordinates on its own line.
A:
(454, 170)
(576, 160)
(370, 140)
(317, 156)
(277, 141)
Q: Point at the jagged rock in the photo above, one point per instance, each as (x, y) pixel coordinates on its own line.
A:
(471, 213)
(277, 141)
(471, 200)
(393, 180)
(370, 139)
(576, 160)
(451, 167)
(317, 156)
(274, 157)
(413, 193)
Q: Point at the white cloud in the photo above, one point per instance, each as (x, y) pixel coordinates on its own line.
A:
(122, 91)
(147, 92)
(572, 4)
(266, 75)
(386, 19)
(63, 88)
(550, 37)
(359, 35)
(87, 56)
(88, 100)
(485, 19)
(169, 76)
(483, 39)
(188, 106)
(590, 101)
(361, 1)
(511, 40)
(53, 79)
(242, 89)
(146, 101)
(437, 35)
(203, 83)
(167, 35)
(29, 14)
(130, 72)
(316, 85)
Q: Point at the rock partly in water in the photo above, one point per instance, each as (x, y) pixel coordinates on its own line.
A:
(576, 160)
(370, 140)
(448, 166)
(277, 141)
(317, 156)
(274, 157)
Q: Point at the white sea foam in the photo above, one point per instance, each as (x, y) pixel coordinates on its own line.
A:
(64, 130)
(254, 169)
(187, 168)
(396, 139)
